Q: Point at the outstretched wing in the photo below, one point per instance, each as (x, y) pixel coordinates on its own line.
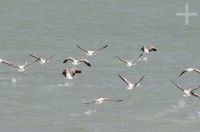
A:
(86, 62)
(142, 49)
(138, 82)
(75, 70)
(195, 94)
(67, 59)
(34, 56)
(123, 60)
(28, 64)
(124, 79)
(152, 48)
(117, 100)
(7, 62)
(90, 102)
(86, 50)
(195, 88)
(50, 57)
(183, 72)
(197, 70)
(177, 86)
(64, 72)
(134, 61)
(101, 48)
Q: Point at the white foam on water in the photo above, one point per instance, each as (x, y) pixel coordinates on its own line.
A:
(74, 115)
(145, 58)
(180, 104)
(14, 80)
(174, 108)
(90, 111)
(65, 84)
(194, 115)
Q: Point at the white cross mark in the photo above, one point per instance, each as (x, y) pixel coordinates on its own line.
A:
(186, 14)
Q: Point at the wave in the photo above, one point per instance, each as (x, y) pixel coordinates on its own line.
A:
(90, 111)
(180, 104)
(66, 84)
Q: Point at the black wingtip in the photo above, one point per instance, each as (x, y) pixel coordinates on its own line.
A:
(64, 73)
(142, 49)
(119, 100)
(172, 81)
(154, 49)
(141, 54)
(106, 46)
(79, 71)
(88, 64)
(64, 61)
(117, 57)
(120, 76)
(181, 74)
(142, 78)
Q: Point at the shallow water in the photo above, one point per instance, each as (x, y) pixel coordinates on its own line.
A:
(41, 100)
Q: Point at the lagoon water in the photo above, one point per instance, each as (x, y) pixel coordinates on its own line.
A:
(40, 100)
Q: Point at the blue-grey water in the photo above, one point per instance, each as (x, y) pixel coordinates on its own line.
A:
(40, 100)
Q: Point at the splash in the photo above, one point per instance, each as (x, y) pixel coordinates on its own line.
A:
(66, 84)
(180, 104)
(174, 108)
(14, 80)
(194, 115)
(90, 111)
(144, 58)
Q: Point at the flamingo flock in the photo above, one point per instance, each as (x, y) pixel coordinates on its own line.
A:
(69, 73)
